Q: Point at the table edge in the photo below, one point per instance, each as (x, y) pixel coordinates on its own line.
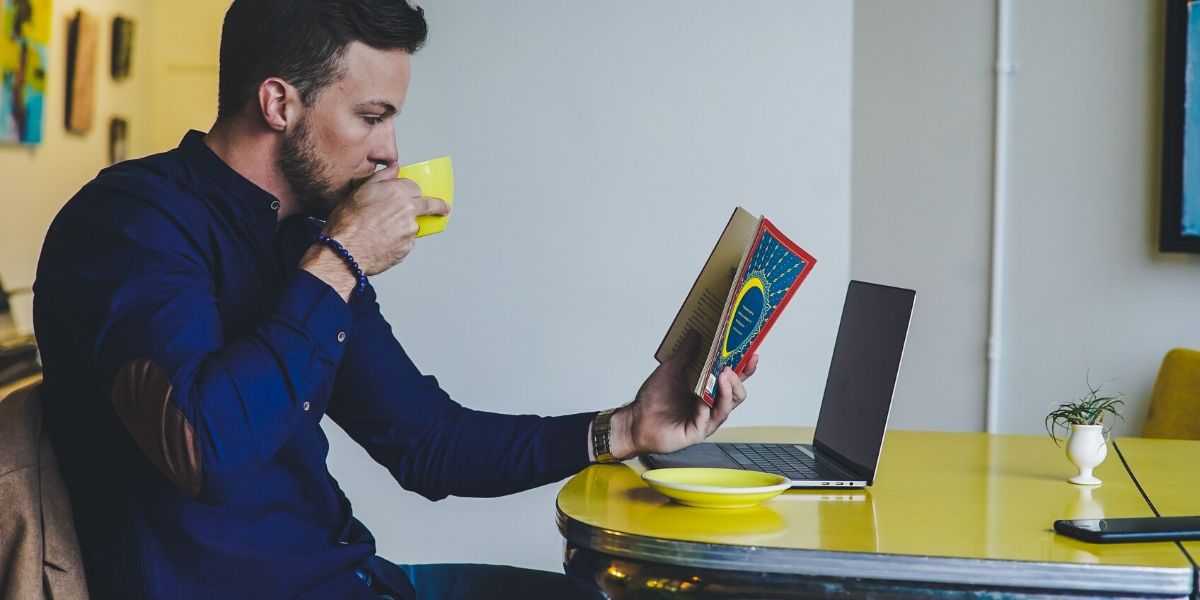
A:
(1129, 579)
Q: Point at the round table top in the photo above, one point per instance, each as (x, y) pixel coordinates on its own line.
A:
(948, 507)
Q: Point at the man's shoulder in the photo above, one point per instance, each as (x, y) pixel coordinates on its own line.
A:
(147, 202)
(164, 180)
(156, 189)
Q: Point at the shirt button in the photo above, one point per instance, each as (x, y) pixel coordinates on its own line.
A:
(275, 205)
(306, 406)
(341, 336)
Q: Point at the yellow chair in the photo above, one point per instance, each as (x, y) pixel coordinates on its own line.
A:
(1175, 401)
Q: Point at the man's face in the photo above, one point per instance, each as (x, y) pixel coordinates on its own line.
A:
(347, 130)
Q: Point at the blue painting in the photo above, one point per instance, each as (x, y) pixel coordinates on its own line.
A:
(1190, 209)
(23, 61)
(1179, 217)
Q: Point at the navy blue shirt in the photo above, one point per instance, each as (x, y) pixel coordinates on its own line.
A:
(188, 364)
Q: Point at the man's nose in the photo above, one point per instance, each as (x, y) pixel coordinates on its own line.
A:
(381, 163)
(385, 152)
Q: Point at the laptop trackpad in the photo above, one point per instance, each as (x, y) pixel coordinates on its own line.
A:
(698, 455)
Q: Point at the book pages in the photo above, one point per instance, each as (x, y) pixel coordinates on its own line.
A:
(705, 303)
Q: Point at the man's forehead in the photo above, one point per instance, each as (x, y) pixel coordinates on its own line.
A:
(378, 78)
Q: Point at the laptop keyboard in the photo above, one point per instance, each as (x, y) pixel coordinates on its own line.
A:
(783, 459)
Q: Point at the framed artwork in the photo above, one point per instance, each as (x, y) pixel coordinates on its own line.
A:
(24, 53)
(122, 47)
(1180, 216)
(81, 72)
(118, 129)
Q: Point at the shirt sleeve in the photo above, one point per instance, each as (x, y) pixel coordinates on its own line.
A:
(135, 295)
(431, 444)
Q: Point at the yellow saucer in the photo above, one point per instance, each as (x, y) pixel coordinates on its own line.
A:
(716, 488)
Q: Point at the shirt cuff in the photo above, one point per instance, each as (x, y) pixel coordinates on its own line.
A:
(569, 443)
(320, 312)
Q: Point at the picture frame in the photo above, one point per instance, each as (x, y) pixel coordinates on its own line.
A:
(118, 140)
(122, 47)
(1179, 219)
(82, 36)
(24, 70)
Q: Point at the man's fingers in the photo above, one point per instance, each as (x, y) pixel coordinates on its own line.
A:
(702, 416)
(432, 206)
(724, 403)
(737, 390)
(751, 367)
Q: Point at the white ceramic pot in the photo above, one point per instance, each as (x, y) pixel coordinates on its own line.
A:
(1086, 447)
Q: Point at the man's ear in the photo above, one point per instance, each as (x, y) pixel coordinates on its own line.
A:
(277, 102)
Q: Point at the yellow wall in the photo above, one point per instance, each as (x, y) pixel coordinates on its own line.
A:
(172, 86)
(186, 39)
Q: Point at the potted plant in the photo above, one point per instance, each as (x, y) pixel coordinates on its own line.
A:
(1082, 422)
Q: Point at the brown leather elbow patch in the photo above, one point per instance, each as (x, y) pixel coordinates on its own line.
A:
(141, 395)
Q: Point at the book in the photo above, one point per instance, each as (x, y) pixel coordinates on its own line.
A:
(749, 277)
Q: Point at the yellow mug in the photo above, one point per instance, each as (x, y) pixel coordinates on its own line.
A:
(436, 178)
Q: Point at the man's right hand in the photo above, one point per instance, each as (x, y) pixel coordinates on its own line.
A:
(377, 225)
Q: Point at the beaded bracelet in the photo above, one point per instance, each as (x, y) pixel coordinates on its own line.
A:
(361, 287)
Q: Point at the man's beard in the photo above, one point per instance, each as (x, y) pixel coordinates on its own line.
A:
(303, 170)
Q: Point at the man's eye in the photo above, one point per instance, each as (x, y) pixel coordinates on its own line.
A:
(372, 120)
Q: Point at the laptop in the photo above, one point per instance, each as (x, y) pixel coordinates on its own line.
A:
(854, 411)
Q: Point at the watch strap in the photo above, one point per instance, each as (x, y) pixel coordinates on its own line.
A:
(602, 437)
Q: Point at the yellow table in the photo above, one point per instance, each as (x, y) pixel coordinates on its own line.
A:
(1167, 472)
(949, 512)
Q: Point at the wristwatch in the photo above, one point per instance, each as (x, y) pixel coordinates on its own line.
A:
(601, 436)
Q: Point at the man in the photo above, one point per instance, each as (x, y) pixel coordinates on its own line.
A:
(197, 321)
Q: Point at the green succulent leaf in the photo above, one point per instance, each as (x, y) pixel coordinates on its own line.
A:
(1088, 410)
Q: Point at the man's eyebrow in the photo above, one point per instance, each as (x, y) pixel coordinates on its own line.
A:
(383, 104)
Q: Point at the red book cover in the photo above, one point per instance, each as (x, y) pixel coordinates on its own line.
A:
(766, 280)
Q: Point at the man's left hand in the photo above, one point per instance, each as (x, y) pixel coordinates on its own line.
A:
(666, 416)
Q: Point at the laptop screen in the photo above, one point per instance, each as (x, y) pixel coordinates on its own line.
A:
(862, 374)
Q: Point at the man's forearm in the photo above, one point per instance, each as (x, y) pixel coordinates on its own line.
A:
(326, 265)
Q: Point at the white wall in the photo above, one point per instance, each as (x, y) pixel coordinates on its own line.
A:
(1086, 286)
(921, 167)
(599, 149)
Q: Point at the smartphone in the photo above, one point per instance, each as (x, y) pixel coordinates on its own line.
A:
(1135, 529)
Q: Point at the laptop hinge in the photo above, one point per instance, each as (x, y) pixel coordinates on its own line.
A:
(828, 460)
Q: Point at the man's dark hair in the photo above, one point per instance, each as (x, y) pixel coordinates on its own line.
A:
(302, 42)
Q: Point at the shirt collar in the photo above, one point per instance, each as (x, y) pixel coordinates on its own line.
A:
(223, 176)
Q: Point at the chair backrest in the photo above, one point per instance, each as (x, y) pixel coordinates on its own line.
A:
(39, 552)
(1175, 402)
(8, 327)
